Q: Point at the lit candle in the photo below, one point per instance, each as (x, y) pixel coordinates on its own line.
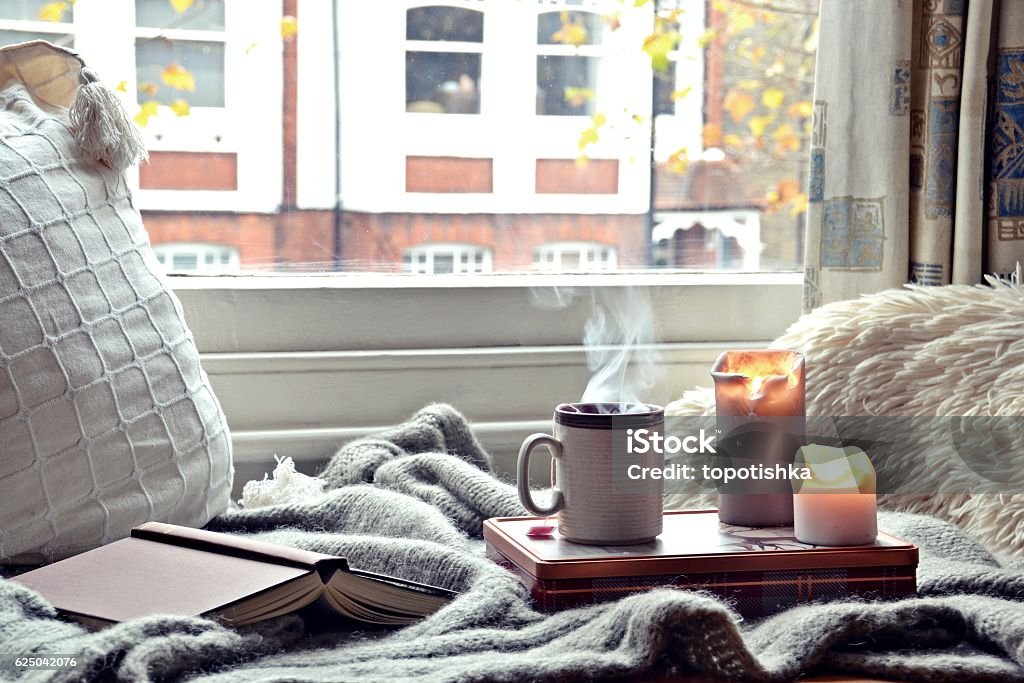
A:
(759, 400)
(836, 505)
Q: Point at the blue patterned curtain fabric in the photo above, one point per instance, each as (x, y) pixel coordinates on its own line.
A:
(917, 146)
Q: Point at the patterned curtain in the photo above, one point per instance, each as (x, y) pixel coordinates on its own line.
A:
(917, 147)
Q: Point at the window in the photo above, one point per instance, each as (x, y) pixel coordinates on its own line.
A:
(180, 58)
(197, 258)
(443, 60)
(25, 20)
(426, 137)
(567, 74)
(442, 259)
(575, 257)
(207, 91)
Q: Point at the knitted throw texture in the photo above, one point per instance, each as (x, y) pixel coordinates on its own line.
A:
(411, 502)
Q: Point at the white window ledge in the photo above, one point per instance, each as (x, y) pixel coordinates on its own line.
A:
(303, 364)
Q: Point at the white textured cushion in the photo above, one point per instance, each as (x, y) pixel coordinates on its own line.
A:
(106, 419)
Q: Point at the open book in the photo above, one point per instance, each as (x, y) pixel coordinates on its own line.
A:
(169, 569)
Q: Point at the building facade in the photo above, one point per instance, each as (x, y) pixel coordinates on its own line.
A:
(402, 135)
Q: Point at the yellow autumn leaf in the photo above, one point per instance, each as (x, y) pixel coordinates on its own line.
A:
(148, 88)
(122, 86)
(712, 134)
(181, 6)
(738, 21)
(590, 135)
(678, 161)
(571, 33)
(758, 124)
(178, 77)
(180, 107)
(773, 98)
(732, 140)
(147, 109)
(577, 97)
(799, 204)
(786, 139)
(53, 11)
(787, 189)
(677, 95)
(707, 37)
(289, 27)
(802, 109)
(658, 45)
(738, 104)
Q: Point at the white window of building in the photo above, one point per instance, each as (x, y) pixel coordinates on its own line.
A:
(193, 41)
(24, 20)
(197, 258)
(575, 257)
(569, 50)
(441, 259)
(194, 70)
(443, 60)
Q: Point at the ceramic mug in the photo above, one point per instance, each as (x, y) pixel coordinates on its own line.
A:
(597, 500)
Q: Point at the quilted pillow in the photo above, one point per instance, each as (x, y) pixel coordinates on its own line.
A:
(106, 419)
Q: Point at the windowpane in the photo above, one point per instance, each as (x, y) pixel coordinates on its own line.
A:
(553, 172)
(443, 263)
(664, 87)
(14, 37)
(184, 262)
(203, 60)
(29, 10)
(444, 23)
(442, 82)
(566, 85)
(204, 15)
(569, 28)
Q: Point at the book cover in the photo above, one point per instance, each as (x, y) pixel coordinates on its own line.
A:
(759, 570)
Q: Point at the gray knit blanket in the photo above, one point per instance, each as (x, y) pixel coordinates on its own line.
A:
(411, 501)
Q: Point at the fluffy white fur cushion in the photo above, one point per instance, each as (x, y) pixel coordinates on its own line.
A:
(920, 351)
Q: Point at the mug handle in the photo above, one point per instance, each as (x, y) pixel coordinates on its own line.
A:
(523, 475)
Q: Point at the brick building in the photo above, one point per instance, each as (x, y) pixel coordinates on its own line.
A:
(399, 136)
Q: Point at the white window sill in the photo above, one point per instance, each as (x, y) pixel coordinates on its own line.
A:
(304, 363)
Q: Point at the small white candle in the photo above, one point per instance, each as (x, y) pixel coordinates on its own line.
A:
(837, 505)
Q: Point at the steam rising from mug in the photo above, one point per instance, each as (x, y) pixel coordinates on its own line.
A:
(619, 340)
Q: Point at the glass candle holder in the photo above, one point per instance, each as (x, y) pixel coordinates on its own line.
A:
(759, 403)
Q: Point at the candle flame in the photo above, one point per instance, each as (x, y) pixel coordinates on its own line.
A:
(760, 368)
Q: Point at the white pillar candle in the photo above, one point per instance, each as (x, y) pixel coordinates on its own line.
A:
(836, 506)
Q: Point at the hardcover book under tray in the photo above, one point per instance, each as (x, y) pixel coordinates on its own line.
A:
(760, 571)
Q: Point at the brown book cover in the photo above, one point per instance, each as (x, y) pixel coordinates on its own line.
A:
(169, 569)
(759, 570)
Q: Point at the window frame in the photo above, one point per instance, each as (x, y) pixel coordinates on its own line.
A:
(201, 250)
(606, 256)
(252, 41)
(592, 51)
(58, 29)
(448, 47)
(474, 254)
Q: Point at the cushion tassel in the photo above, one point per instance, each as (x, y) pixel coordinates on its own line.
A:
(102, 127)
